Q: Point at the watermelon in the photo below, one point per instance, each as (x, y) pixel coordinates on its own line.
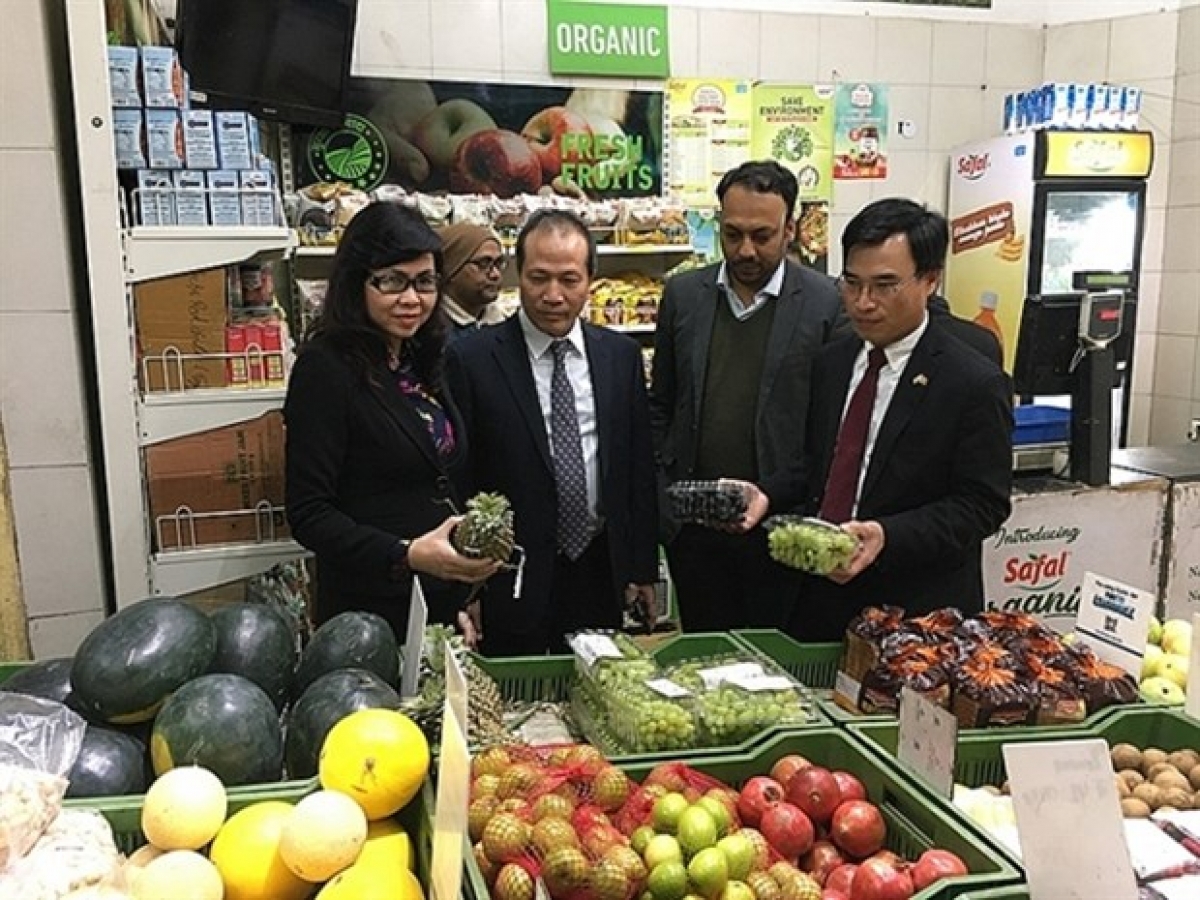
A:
(256, 642)
(225, 723)
(109, 764)
(327, 701)
(350, 640)
(131, 662)
(49, 679)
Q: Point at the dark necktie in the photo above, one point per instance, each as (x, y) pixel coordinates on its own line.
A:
(841, 486)
(574, 527)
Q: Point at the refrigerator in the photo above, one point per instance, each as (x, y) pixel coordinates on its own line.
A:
(1030, 212)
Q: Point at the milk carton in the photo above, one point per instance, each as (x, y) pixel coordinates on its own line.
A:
(1114, 111)
(199, 139)
(1079, 105)
(129, 138)
(162, 78)
(123, 77)
(164, 138)
(1131, 108)
(191, 202)
(155, 199)
(1060, 96)
(224, 202)
(1097, 105)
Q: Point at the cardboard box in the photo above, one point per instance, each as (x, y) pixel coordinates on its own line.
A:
(224, 201)
(180, 318)
(129, 138)
(199, 139)
(191, 197)
(164, 138)
(235, 146)
(123, 77)
(218, 487)
(162, 78)
(155, 194)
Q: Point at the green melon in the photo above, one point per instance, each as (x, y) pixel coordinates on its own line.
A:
(109, 764)
(255, 641)
(350, 640)
(49, 679)
(131, 662)
(225, 723)
(327, 701)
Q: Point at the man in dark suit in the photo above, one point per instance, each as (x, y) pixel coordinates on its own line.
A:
(729, 392)
(556, 417)
(974, 336)
(909, 440)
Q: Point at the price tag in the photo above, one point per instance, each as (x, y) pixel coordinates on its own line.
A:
(592, 647)
(414, 640)
(450, 816)
(1069, 821)
(456, 688)
(1114, 619)
(1192, 706)
(713, 677)
(928, 740)
(760, 682)
(667, 688)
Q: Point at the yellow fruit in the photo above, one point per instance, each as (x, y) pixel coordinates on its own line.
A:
(361, 882)
(184, 809)
(323, 835)
(388, 849)
(378, 757)
(246, 853)
(180, 875)
(138, 860)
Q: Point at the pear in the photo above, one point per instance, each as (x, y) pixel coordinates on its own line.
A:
(1161, 690)
(1156, 630)
(1174, 668)
(1177, 637)
(1152, 661)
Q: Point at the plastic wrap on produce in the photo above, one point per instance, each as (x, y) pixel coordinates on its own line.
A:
(76, 851)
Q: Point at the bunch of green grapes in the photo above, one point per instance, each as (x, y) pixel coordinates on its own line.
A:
(645, 721)
(730, 715)
(818, 549)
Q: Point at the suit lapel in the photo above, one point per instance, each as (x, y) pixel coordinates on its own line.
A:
(705, 313)
(911, 391)
(788, 306)
(512, 357)
(401, 411)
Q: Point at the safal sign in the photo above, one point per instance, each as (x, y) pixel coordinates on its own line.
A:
(607, 39)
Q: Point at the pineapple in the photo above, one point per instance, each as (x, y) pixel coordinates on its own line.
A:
(487, 529)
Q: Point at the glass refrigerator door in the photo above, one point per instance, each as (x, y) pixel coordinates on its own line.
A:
(1087, 230)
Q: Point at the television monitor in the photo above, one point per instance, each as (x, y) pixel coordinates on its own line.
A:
(1048, 340)
(287, 60)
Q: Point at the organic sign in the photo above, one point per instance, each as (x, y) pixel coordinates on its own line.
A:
(607, 39)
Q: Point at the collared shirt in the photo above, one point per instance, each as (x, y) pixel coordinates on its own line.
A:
(541, 359)
(897, 355)
(767, 292)
(491, 314)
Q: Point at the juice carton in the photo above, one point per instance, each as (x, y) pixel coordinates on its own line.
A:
(129, 138)
(1115, 109)
(123, 77)
(164, 138)
(199, 139)
(1131, 108)
(1060, 104)
(191, 201)
(162, 78)
(224, 203)
(1079, 105)
(155, 197)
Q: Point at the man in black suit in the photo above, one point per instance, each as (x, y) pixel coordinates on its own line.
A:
(729, 391)
(556, 417)
(930, 474)
(974, 336)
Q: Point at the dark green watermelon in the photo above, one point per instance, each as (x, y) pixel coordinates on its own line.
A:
(255, 641)
(49, 679)
(225, 723)
(110, 763)
(350, 640)
(131, 662)
(327, 701)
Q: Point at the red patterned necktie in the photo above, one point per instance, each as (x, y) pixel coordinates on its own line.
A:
(841, 486)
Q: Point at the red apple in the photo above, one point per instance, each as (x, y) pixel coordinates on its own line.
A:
(858, 828)
(878, 879)
(850, 786)
(787, 766)
(440, 132)
(816, 792)
(788, 830)
(934, 865)
(495, 162)
(821, 859)
(841, 878)
(545, 134)
(757, 795)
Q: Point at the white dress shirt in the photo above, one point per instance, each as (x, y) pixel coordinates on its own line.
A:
(541, 359)
(766, 293)
(897, 355)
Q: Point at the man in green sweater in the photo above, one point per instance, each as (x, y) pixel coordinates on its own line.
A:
(729, 396)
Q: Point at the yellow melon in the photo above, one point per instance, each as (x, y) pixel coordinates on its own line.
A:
(179, 875)
(324, 835)
(246, 853)
(361, 882)
(388, 847)
(377, 756)
(184, 809)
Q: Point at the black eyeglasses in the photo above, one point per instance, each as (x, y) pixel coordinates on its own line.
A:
(485, 264)
(396, 283)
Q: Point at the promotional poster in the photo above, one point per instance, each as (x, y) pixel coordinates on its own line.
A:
(471, 138)
(706, 133)
(860, 134)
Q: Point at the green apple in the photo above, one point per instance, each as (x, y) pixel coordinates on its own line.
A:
(664, 816)
(1162, 690)
(1177, 637)
(662, 848)
(739, 853)
(640, 838)
(1154, 636)
(668, 881)
(1174, 668)
(719, 811)
(737, 890)
(709, 872)
(1151, 661)
(697, 830)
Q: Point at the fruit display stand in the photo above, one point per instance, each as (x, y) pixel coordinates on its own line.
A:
(979, 759)
(914, 824)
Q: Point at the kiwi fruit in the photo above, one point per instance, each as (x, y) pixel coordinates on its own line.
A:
(1133, 808)
(1194, 777)
(1157, 769)
(1178, 797)
(1126, 756)
(1151, 757)
(1170, 778)
(1148, 794)
(1132, 777)
(1184, 760)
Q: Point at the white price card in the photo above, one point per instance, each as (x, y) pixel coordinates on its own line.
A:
(1069, 821)
(1114, 619)
(1192, 706)
(713, 677)
(450, 814)
(667, 688)
(593, 647)
(928, 740)
(414, 640)
(456, 688)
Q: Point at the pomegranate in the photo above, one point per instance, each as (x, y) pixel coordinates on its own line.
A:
(815, 791)
(858, 828)
(757, 795)
(833, 895)
(841, 878)
(935, 865)
(787, 766)
(821, 859)
(850, 786)
(788, 830)
(878, 879)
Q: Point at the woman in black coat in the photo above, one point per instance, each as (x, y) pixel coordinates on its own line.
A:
(373, 443)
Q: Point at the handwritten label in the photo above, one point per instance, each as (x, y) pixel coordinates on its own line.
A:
(1056, 786)
(714, 677)
(928, 740)
(593, 647)
(1114, 619)
(667, 688)
(1192, 706)
(414, 640)
(450, 816)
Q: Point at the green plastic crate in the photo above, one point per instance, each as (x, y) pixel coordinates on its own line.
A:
(813, 665)
(914, 824)
(9, 669)
(1012, 892)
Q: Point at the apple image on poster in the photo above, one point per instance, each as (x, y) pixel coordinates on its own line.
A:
(545, 132)
(497, 162)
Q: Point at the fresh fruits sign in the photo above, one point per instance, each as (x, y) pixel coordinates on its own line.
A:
(491, 139)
